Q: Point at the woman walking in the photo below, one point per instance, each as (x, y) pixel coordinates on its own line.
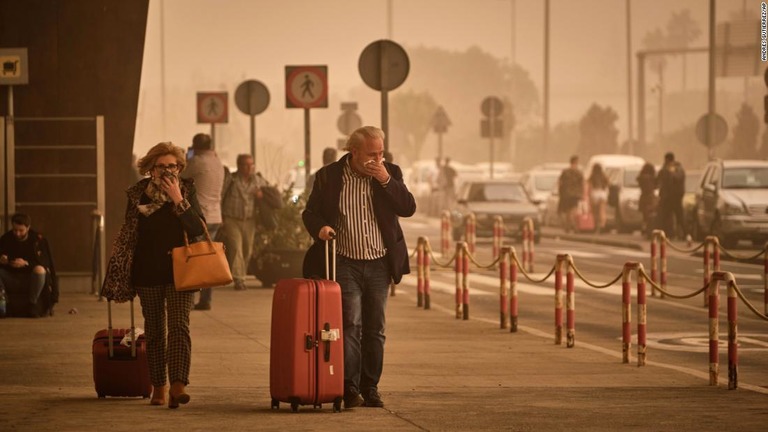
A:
(161, 208)
(598, 195)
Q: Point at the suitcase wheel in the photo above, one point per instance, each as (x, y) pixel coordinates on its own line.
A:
(295, 406)
(337, 405)
(318, 406)
(102, 396)
(275, 404)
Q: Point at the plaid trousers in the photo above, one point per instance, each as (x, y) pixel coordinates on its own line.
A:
(173, 349)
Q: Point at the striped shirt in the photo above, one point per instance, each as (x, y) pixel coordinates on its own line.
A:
(359, 236)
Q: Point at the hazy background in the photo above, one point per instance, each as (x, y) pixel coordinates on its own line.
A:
(460, 50)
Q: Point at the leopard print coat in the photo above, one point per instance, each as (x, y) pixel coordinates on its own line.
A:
(117, 285)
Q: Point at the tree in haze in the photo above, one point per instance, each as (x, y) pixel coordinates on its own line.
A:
(745, 133)
(459, 81)
(681, 31)
(598, 132)
(411, 114)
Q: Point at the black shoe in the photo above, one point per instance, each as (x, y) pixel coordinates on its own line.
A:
(32, 311)
(353, 400)
(373, 399)
(203, 306)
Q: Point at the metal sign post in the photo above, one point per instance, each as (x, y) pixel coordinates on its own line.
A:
(252, 98)
(212, 108)
(491, 127)
(384, 66)
(440, 123)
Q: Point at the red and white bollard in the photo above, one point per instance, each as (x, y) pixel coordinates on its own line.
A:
(420, 272)
(733, 337)
(503, 288)
(458, 266)
(663, 258)
(425, 263)
(711, 242)
(465, 284)
(445, 233)
(470, 229)
(498, 236)
(512, 291)
(570, 302)
(528, 235)
(559, 300)
(642, 316)
(654, 261)
(765, 280)
(626, 311)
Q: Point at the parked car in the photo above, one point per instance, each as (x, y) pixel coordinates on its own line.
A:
(489, 198)
(539, 184)
(732, 201)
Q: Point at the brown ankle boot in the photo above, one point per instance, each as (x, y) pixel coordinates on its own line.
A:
(158, 395)
(177, 395)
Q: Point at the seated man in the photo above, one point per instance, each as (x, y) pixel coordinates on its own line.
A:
(25, 263)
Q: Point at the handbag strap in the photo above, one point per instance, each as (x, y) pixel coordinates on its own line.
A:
(207, 235)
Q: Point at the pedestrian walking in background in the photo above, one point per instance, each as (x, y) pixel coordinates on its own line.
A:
(359, 199)
(570, 188)
(160, 210)
(648, 202)
(206, 169)
(598, 195)
(239, 226)
(671, 183)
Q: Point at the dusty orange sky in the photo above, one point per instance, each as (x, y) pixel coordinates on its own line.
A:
(212, 45)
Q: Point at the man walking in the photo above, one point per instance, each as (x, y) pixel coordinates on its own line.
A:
(359, 199)
(570, 190)
(671, 183)
(237, 209)
(206, 169)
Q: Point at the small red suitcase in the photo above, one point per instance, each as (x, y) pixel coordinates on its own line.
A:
(306, 364)
(119, 370)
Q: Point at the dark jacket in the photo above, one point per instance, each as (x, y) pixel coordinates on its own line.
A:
(118, 284)
(388, 204)
(42, 257)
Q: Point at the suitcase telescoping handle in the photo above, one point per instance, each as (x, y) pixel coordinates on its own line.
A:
(110, 338)
(330, 260)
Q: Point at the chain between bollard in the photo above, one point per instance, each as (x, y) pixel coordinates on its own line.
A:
(667, 293)
(593, 284)
(475, 262)
(526, 274)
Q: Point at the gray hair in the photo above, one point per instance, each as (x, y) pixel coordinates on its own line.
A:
(360, 135)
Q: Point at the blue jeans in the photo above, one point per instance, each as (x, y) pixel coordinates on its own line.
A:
(364, 291)
(33, 283)
(207, 293)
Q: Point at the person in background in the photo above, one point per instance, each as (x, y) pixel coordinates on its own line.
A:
(648, 202)
(26, 263)
(359, 199)
(570, 191)
(329, 156)
(161, 209)
(671, 183)
(206, 169)
(449, 184)
(239, 216)
(598, 195)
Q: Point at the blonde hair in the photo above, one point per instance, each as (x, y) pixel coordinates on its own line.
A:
(147, 163)
(358, 137)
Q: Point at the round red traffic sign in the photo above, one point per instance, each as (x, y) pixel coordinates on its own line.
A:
(306, 86)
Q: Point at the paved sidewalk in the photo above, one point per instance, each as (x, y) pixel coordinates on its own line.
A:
(440, 374)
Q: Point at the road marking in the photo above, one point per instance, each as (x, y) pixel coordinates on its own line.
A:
(606, 351)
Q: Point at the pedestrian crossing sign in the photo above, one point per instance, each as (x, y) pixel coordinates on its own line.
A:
(306, 86)
(212, 107)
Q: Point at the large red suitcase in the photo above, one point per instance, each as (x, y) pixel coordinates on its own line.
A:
(120, 370)
(306, 364)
